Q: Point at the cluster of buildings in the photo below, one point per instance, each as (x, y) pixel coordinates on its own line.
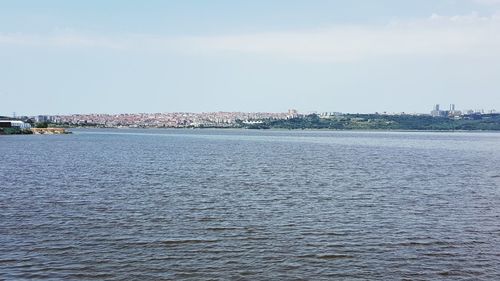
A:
(10, 125)
(170, 120)
(206, 119)
(438, 112)
(454, 113)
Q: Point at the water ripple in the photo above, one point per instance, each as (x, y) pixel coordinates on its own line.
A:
(250, 205)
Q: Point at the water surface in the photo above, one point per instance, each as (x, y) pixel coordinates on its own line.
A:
(250, 205)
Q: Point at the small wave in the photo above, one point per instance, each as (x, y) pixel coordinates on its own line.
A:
(222, 228)
(187, 241)
(87, 276)
(173, 242)
(208, 219)
(8, 261)
(53, 249)
(425, 244)
(327, 256)
(441, 254)
(253, 238)
(333, 256)
(450, 273)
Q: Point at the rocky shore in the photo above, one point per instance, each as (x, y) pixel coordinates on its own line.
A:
(49, 131)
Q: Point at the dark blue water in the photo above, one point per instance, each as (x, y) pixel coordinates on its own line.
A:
(250, 205)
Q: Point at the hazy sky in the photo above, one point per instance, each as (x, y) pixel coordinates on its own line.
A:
(59, 57)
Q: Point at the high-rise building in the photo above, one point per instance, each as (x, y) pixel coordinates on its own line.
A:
(292, 113)
(436, 112)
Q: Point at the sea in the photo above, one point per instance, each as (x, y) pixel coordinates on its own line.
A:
(224, 204)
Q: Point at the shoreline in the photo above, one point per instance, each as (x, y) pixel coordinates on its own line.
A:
(283, 129)
(49, 131)
(34, 131)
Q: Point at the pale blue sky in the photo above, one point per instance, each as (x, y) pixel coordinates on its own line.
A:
(60, 57)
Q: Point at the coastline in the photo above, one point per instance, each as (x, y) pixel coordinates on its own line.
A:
(49, 131)
(287, 130)
(34, 131)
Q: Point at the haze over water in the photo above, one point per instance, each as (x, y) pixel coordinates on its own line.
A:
(250, 205)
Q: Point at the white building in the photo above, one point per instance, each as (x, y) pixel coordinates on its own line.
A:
(14, 124)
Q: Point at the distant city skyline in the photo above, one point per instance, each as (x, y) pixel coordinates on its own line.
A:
(438, 110)
(361, 56)
(461, 119)
(436, 107)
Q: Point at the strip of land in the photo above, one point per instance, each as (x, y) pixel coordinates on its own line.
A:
(291, 121)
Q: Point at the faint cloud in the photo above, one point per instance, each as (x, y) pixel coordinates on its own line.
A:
(487, 2)
(461, 35)
(61, 40)
(437, 35)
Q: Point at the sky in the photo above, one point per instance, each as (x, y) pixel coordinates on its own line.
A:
(357, 56)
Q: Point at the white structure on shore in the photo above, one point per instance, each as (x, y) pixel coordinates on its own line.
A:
(14, 124)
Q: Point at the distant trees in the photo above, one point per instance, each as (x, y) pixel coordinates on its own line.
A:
(380, 122)
(42, 125)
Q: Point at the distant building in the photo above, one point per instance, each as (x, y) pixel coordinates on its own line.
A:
(454, 112)
(14, 124)
(247, 122)
(439, 113)
(43, 118)
(329, 115)
(292, 113)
